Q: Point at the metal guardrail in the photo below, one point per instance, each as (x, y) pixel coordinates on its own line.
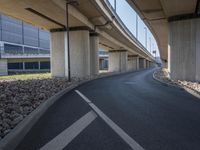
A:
(126, 29)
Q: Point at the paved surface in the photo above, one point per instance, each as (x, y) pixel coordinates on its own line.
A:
(156, 116)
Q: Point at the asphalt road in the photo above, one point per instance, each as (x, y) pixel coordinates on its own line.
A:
(156, 116)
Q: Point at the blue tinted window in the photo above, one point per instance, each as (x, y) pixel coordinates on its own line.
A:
(18, 65)
(13, 49)
(45, 65)
(31, 65)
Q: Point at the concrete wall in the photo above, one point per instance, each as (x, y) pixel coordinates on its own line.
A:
(3, 67)
(94, 54)
(132, 64)
(147, 64)
(59, 64)
(184, 50)
(117, 61)
(19, 32)
(142, 63)
(80, 53)
(83, 60)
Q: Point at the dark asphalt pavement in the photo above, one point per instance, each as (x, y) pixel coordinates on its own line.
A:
(157, 116)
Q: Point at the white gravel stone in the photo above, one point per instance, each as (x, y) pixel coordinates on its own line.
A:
(163, 75)
(18, 98)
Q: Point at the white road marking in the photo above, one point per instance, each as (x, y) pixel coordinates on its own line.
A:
(83, 96)
(131, 142)
(64, 138)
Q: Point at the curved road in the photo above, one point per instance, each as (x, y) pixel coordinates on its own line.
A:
(155, 116)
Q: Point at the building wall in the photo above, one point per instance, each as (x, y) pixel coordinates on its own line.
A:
(16, 31)
(18, 38)
(3, 67)
(28, 65)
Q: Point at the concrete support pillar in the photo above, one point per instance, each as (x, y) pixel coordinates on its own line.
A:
(80, 51)
(142, 63)
(117, 60)
(164, 64)
(147, 64)
(94, 54)
(137, 63)
(59, 52)
(150, 64)
(184, 50)
(132, 63)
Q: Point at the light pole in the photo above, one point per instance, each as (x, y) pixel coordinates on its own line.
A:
(68, 2)
(154, 52)
(145, 37)
(136, 26)
(115, 5)
(150, 44)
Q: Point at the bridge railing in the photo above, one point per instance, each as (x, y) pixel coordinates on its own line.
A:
(125, 28)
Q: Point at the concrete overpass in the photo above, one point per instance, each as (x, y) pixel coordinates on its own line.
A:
(92, 24)
(176, 27)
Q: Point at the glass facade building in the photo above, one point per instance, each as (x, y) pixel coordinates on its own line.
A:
(23, 47)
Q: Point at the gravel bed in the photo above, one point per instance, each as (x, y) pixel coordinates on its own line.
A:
(18, 98)
(162, 75)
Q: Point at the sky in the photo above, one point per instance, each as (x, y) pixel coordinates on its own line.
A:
(128, 16)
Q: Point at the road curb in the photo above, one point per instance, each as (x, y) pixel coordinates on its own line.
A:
(187, 89)
(11, 140)
(168, 84)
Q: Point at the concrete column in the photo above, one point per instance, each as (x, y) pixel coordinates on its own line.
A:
(164, 64)
(137, 63)
(184, 50)
(142, 63)
(117, 60)
(59, 52)
(80, 53)
(147, 63)
(132, 63)
(3, 67)
(150, 64)
(94, 54)
(80, 58)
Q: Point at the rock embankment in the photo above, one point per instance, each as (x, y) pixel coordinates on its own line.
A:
(163, 76)
(18, 98)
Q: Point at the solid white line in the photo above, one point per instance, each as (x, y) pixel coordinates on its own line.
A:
(83, 96)
(131, 142)
(64, 138)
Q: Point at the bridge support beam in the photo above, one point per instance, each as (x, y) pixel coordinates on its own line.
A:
(142, 63)
(94, 54)
(184, 50)
(132, 63)
(117, 60)
(83, 54)
(59, 52)
(147, 64)
(80, 53)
